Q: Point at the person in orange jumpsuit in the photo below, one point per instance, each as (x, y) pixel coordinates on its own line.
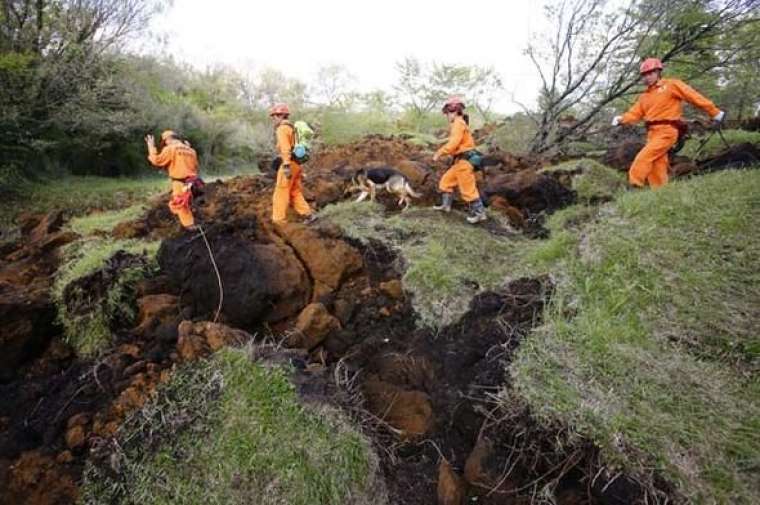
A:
(288, 187)
(181, 162)
(461, 174)
(660, 106)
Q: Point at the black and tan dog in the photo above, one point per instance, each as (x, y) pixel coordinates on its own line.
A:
(368, 180)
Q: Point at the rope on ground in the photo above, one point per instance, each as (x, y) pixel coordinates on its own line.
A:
(218, 275)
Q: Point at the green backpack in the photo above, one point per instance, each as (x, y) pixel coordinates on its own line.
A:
(303, 135)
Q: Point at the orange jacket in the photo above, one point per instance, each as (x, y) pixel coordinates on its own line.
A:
(662, 101)
(286, 140)
(460, 139)
(180, 160)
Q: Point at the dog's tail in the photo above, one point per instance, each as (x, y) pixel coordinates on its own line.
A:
(411, 191)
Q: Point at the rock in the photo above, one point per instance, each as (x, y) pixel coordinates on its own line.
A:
(385, 312)
(393, 289)
(196, 340)
(328, 260)
(451, 487)
(154, 310)
(410, 412)
(75, 437)
(313, 326)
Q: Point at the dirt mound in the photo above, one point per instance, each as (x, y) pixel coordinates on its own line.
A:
(529, 191)
(382, 149)
(261, 280)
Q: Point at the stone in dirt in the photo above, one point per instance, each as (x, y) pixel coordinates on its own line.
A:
(313, 326)
(451, 486)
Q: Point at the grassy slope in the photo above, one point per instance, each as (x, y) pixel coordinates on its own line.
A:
(651, 345)
(79, 195)
(230, 431)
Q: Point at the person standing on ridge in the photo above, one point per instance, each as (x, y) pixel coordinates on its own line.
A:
(660, 107)
(181, 163)
(461, 173)
(288, 186)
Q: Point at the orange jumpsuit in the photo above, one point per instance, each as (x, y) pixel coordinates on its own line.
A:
(660, 102)
(461, 174)
(288, 191)
(181, 162)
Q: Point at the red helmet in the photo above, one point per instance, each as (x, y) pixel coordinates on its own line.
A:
(650, 64)
(453, 104)
(279, 108)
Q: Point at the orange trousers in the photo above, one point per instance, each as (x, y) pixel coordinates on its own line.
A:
(460, 175)
(181, 210)
(289, 192)
(651, 164)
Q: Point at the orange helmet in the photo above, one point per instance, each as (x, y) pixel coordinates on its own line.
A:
(279, 108)
(650, 64)
(453, 104)
(167, 134)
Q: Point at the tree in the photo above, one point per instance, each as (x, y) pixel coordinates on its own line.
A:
(272, 86)
(333, 87)
(590, 59)
(423, 88)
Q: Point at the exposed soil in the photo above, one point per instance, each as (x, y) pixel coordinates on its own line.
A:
(427, 398)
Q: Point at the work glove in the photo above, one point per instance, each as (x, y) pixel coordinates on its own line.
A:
(616, 120)
(286, 170)
(718, 118)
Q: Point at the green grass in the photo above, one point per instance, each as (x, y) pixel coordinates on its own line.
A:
(715, 145)
(90, 332)
(595, 182)
(447, 260)
(103, 222)
(79, 195)
(651, 344)
(231, 431)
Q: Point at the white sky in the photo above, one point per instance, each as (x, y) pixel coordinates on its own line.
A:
(366, 37)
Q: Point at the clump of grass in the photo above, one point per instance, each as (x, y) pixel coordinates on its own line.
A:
(90, 332)
(715, 144)
(231, 431)
(448, 261)
(650, 345)
(104, 222)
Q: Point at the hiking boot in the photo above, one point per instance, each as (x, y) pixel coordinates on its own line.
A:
(311, 218)
(446, 200)
(477, 212)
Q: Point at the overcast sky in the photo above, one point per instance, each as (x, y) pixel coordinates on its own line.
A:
(298, 36)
